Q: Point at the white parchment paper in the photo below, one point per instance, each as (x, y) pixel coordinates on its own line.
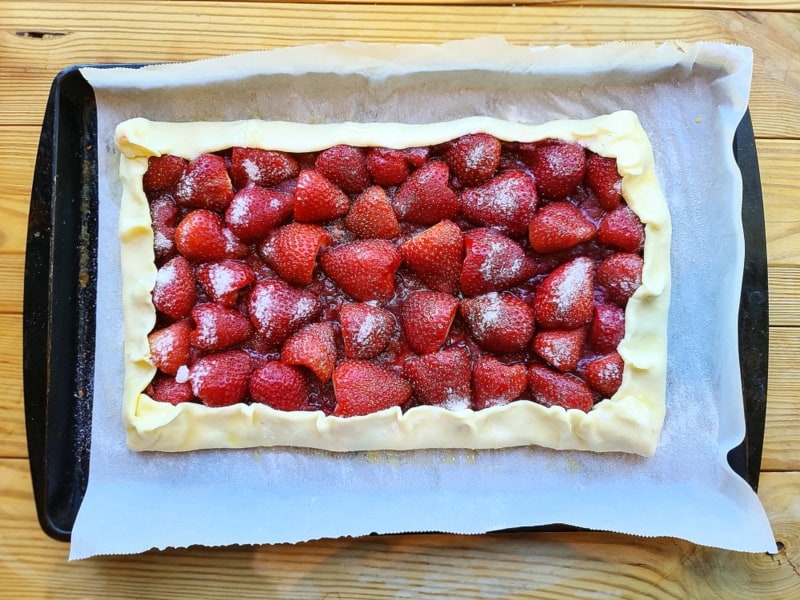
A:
(689, 99)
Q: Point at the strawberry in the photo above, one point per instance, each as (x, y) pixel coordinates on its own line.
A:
(425, 198)
(498, 322)
(442, 378)
(201, 236)
(280, 386)
(255, 211)
(205, 184)
(558, 166)
(371, 215)
(164, 388)
(608, 327)
(223, 280)
(622, 229)
(604, 180)
(551, 388)
(253, 166)
(604, 374)
(560, 348)
(292, 251)
(565, 299)
(495, 383)
(277, 310)
(473, 158)
(162, 172)
(169, 346)
(366, 329)
(558, 226)
(426, 318)
(218, 327)
(507, 201)
(163, 215)
(363, 269)
(316, 199)
(221, 379)
(620, 275)
(417, 155)
(314, 347)
(435, 256)
(493, 262)
(174, 293)
(344, 166)
(362, 388)
(387, 166)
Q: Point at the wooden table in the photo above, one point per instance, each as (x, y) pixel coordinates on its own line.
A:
(39, 38)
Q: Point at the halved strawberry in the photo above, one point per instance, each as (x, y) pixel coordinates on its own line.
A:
(426, 318)
(366, 329)
(278, 310)
(558, 166)
(201, 236)
(435, 256)
(205, 184)
(473, 158)
(292, 251)
(493, 262)
(498, 322)
(558, 226)
(442, 378)
(622, 229)
(605, 374)
(164, 388)
(620, 275)
(551, 388)
(371, 215)
(387, 166)
(163, 215)
(314, 347)
(253, 166)
(174, 293)
(255, 211)
(281, 386)
(495, 383)
(363, 387)
(603, 178)
(425, 197)
(417, 155)
(221, 379)
(345, 166)
(223, 280)
(364, 269)
(218, 327)
(169, 346)
(608, 327)
(162, 172)
(565, 299)
(507, 201)
(560, 348)
(316, 199)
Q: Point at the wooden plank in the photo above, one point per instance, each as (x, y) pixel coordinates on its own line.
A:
(782, 434)
(547, 565)
(12, 419)
(781, 188)
(784, 296)
(86, 33)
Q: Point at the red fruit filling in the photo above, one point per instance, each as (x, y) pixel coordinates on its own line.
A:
(464, 275)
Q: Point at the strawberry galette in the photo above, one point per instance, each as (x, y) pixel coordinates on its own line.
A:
(468, 284)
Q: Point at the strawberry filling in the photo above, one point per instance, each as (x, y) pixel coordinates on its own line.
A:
(464, 275)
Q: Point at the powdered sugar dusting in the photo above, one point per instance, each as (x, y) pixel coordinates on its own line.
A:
(304, 308)
(222, 280)
(253, 171)
(182, 376)
(367, 329)
(572, 285)
(488, 315)
(166, 275)
(455, 399)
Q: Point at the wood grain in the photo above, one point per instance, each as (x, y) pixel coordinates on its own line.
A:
(83, 33)
(549, 565)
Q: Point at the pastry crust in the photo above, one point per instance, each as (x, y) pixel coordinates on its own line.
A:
(629, 421)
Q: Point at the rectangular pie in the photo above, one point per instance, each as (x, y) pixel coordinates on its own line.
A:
(474, 284)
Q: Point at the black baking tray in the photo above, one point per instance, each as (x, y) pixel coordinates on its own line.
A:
(60, 293)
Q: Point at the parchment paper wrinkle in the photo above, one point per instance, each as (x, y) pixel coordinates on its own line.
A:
(689, 98)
